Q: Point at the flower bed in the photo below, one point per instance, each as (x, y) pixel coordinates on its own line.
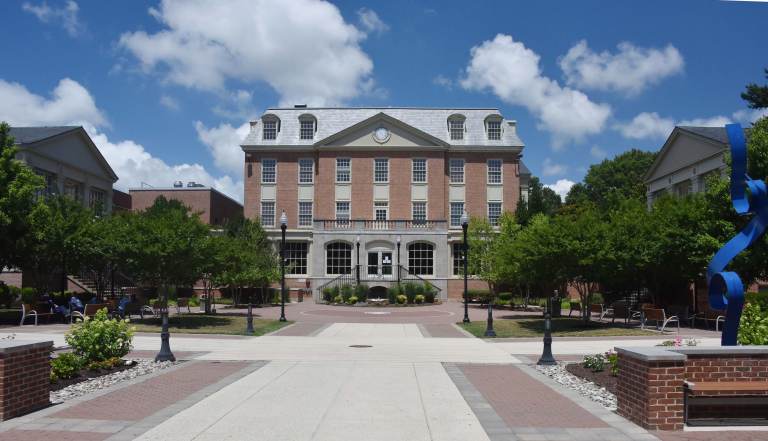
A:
(86, 374)
(602, 378)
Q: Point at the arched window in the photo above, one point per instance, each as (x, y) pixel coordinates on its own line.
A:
(456, 126)
(493, 127)
(338, 258)
(421, 258)
(307, 126)
(270, 127)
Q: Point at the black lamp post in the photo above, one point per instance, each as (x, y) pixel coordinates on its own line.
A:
(464, 226)
(546, 356)
(283, 226)
(165, 353)
(249, 318)
(357, 260)
(398, 260)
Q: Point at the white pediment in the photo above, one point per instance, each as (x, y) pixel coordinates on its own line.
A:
(381, 131)
(76, 150)
(681, 150)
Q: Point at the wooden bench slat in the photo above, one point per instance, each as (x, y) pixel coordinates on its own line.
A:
(735, 386)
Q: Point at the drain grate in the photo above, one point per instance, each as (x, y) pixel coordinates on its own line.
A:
(360, 346)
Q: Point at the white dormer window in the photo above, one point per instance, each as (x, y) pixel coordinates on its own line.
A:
(307, 127)
(270, 127)
(493, 128)
(456, 128)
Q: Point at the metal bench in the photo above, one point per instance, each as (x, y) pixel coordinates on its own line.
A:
(90, 310)
(711, 393)
(659, 316)
(600, 310)
(28, 311)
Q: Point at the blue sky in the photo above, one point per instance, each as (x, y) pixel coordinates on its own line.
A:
(165, 88)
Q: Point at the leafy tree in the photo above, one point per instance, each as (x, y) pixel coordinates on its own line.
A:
(18, 185)
(756, 96)
(541, 200)
(577, 195)
(617, 178)
(487, 249)
(539, 248)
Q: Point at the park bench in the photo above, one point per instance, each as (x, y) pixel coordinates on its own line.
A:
(575, 306)
(182, 302)
(621, 311)
(658, 316)
(725, 393)
(90, 310)
(600, 310)
(40, 311)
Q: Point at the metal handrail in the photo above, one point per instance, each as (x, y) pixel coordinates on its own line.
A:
(373, 224)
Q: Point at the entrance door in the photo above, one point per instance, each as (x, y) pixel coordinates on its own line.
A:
(373, 263)
(386, 263)
(380, 263)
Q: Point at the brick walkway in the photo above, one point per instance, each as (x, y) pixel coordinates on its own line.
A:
(439, 330)
(128, 409)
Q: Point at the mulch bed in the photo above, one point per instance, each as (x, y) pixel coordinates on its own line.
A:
(604, 378)
(87, 374)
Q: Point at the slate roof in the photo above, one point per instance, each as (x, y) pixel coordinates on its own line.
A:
(714, 133)
(433, 121)
(524, 170)
(29, 135)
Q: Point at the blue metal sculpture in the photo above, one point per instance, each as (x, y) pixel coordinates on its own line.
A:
(726, 291)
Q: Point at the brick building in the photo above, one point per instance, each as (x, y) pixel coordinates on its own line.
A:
(382, 188)
(214, 207)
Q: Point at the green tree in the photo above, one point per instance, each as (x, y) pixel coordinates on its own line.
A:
(541, 200)
(488, 248)
(618, 178)
(539, 250)
(756, 96)
(18, 186)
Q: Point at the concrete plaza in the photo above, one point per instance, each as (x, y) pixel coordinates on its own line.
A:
(358, 377)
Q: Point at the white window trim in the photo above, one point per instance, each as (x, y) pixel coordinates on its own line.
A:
(426, 209)
(298, 177)
(463, 171)
(374, 170)
(488, 210)
(336, 211)
(262, 171)
(378, 208)
(298, 214)
(464, 207)
(488, 171)
(501, 128)
(274, 213)
(426, 170)
(336, 175)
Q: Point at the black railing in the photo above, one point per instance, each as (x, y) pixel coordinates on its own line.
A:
(103, 284)
(371, 224)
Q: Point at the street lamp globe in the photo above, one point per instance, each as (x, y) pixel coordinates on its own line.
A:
(283, 220)
(464, 218)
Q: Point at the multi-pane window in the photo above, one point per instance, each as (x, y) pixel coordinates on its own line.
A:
(306, 128)
(74, 190)
(381, 170)
(457, 209)
(338, 258)
(268, 171)
(456, 128)
(305, 214)
(296, 257)
(343, 170)
(494, 171)
(342, 210)
(458, 258)
(494, 213)
(51, 183)
(306, 171)
(268, 213)
(380, 209)
(457, 171)
(419, 211)
(270, 129)
(419, 171)
(96, 200)
(494, 130)
(421, 258)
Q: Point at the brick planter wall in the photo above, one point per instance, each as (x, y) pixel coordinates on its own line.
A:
(650, 382)
(24, 377)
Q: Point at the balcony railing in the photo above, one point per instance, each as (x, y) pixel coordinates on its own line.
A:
(384, 225)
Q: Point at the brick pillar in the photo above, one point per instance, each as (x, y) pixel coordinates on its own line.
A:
(650, 389)
(24, 377)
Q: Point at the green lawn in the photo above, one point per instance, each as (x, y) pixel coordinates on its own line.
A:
(561, 327)
(209, 324)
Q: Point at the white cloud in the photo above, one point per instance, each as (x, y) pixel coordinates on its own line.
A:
(65, 15)
(303, 48)
(224, 144)
(72, 104)
(238, 106)
(69, 103)
(630, 70)
(597, 152)
(169, 102)
(549, 168)
(370, 21)
(511, 71)
(561, 187)
(650, 125)
(443, 81)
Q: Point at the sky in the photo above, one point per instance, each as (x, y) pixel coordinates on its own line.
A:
(166, 88)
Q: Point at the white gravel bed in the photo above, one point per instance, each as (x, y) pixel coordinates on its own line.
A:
(586, 388)
(142, 367)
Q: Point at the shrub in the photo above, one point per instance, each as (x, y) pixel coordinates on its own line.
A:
(418, 299)
(66, 365)
(481, 295)
(361, 291)
(410, 291)
(29, 295)
(595, 363)
(104, 364)
(429, 293)
(15, 293)
(401, 299)
(338, 299)
(346, 292)
(757, 298)
(505, 296)
(194, 301)
(6, 298)
(352, 300)
(392, 293)
(613, 360)
(596, 298)
(753, 328)
(328, 294)
(100, 338)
